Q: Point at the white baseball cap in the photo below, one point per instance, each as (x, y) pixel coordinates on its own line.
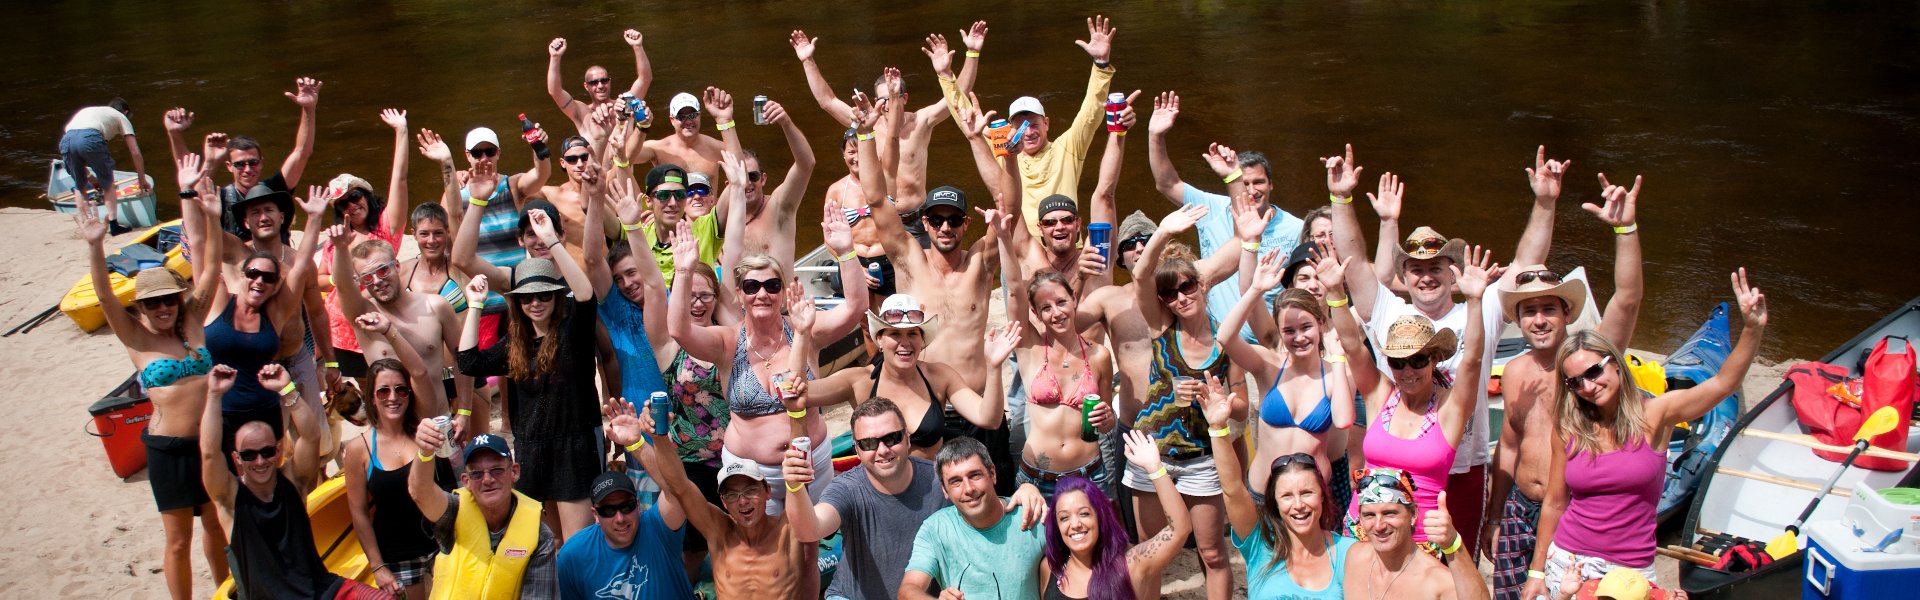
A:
(1026, 104)
(735, 465)
(682, 101)
(482, 135)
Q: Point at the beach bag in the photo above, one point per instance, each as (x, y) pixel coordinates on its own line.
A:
(1889, 380)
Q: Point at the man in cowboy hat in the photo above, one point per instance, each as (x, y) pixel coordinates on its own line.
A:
(1424, 265)
(1386, 525)
(1545, 306)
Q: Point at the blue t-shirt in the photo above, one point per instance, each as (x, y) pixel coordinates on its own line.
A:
(1275, 584)
(1216, 231)
(648, 568)
(639, 372)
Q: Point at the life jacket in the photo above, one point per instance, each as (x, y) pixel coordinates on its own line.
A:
(472, 569)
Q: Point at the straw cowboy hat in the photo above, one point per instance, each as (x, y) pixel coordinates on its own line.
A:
(1541, 281)
(1411, 334)
(1425, 243)
(902, 311)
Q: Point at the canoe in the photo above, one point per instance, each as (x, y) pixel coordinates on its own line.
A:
(1757, 482)
(135, 209)
(1697, 360)
(80, 303)
(333, 535)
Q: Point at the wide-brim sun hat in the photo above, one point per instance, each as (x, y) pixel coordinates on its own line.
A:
(905, 303)
(1412, 334)
(1571, 291)
(535, 275)
(1427, 243)
(157, 282)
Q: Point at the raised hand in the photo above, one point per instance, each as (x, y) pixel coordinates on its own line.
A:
(374, 323)
(1387, 203)
(1753, 304)
(733, 167)
(191, 169)
(975, 37)
(1222, 159)
(839, 236)
(542, 226)
(633, 37)
(221, 379)
(1545, 175)
(719, 103)
(1329, 268)
(1343, 175)
(179, 119)
(1099, 42)
(1001, 342)
(686, 253)
(800, 311)
(340, 234)
(796, 468)
(476, 291)
(623, 425)
(432, 147)
(607, 115)
(1127, 116)
(866, 112)
(557, 47)
(394, 118)
(317, 199)
(1249, 222)
(427, 436)
(937, 52)
(92, 228)
(973, 123)
(1181, 220)
(802, 45)
(1142, 451)
(1619, 208)
(306, 93)
(480, 181)
(1267, 274)
(895, 85)
(1480, 273)
(626, 204)
(1217, 406)
(215, 145)
(775, 113)
(274, 377)
(1166, 108)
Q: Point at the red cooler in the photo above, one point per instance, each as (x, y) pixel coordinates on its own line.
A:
(118, 421)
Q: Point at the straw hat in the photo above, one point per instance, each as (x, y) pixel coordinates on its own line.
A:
(156, 282)
(1411, 334)
(1425, 243)
(1571, 291)
(904, 304)
(535, 275)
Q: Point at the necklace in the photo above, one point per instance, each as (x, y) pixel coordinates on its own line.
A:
(1377, 566)
(766, 360)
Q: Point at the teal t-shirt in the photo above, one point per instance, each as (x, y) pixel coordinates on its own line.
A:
(1275, 584)
(980, 560)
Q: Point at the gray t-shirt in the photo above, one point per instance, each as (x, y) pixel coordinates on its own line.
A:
(878, 529)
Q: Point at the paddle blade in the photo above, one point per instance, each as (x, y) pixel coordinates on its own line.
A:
(1783, 545)
(1881, 421)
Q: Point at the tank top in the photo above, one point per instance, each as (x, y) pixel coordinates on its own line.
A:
(246, 353)
(404, 534)
(271, 546)
(1053, 590)
(700, 410)
(1612, 498)
(499, 240)
(1426, 458)
(1179, 431)
(932, 427)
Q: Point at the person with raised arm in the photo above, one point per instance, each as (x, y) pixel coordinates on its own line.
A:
(686, 146)
(1544, 307)
(1087, 554)
(243, 157)
(627, 552)
(769, 217)
(83, 148)
(1609, 450)
(377, 467)
(982, 543)
(547, 358)
(1288, 531)
(890, 88)
(598, 83)
(361, 215)
(492, 541)
(1424, 264)
(1388, 524)
(427, 325)
(265, 512)
(1310, 395)
(163, 335)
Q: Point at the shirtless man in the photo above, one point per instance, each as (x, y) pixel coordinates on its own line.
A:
(425, 322)
(766, 226)
(599, 87)
(568, 198)
(1544, 306)
(755, 555)
(890, 89)
(1375, 567)
(686, 146)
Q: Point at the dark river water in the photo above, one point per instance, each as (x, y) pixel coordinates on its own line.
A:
(1781, 138)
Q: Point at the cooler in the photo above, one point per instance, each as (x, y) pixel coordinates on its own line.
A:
(118, 421)
(1837, 569)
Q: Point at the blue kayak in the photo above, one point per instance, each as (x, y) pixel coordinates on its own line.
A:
(1693, 363)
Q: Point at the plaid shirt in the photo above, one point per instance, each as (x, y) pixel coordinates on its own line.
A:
(542, 579)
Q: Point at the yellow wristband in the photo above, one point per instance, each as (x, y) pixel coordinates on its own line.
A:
(1221, 432)
(861, 137)
(633, 227)
(1336, 358)
(723, 126)
(1630, 228)
(795, 488)
(287, 390)
(797, 414)
(636, 446)
(477, 202)
(425, 457)
(1157, 474)
(1337, 303)
(463, 412)
(331, 364)
(1455, 546)
(845, 257)
(621, 164)
(1535, 574)
(973, 54)
(1339, 200)
(1250, 246)
(1232, 176)
(1120, 134)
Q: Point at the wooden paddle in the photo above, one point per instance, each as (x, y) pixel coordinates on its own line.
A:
(1881, 421)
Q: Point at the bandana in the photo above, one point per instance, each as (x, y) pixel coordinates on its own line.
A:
(1379, 486)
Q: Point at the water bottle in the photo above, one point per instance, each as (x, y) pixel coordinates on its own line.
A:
(1100, 236)
(1116, 102)
(759, 110)
(1087, 432)
(658, 405)
(998, 134)
(526, 133)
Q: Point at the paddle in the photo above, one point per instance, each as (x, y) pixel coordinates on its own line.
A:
(1881, 421)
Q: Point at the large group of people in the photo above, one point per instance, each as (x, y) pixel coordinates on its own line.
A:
(614, 387)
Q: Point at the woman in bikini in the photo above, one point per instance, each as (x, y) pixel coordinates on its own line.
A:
(1297, 411)
(1065, 370)
(163, 335)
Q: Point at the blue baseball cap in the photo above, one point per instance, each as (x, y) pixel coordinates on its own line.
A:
(489, 443)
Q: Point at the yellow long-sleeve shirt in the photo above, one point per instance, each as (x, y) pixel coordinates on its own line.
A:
(1056, 168)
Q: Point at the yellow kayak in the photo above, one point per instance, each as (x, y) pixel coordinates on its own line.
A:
(333, 535)
(80, 303)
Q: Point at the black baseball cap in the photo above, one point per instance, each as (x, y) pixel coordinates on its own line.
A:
(553, 215)
(606, 484)
(947, 196)
(666, 173)
(489, 443)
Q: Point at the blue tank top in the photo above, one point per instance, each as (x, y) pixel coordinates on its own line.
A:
(246, 353)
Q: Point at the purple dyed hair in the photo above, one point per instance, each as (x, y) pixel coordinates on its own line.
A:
(1110, 578)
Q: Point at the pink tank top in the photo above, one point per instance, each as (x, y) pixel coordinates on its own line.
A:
(1611, 501)
(1426, 458)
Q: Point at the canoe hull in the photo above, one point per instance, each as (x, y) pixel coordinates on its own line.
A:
(134, 208)
(82, 305)
(1696, 361)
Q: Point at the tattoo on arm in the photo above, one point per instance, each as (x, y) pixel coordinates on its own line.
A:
(1151, 545)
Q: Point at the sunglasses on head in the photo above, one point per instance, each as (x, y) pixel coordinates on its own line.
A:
(670, 195)
(600, 81)
(265, 452)
(1386, 479)
(1432, 243)
(955, 221)
(378, 272)
(1297, 457)
(385, 392)
(1187, 288)
(1417, 361)
(607, 511)
(244, 164)
(753, 286)
(263, 276)
(546, 296)
(1543, 276)
(908, 317)
(1127, 245)
(574, 159)
(488, 152)
(874, 443)
(159, 301)
(493, 473)
(1066, 220)
(1577, 381)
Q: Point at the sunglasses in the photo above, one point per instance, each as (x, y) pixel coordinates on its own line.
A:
(353, 195)
(263, 276)
(697, 193)
(687, 116)
(266, 452)
(383, 271)
(546, 296)
(1127, 245)
(493, 473)
(159, 301)
(1297, 457)
(1417, 361)
(740, 495)
(574, 159)
(670, 195)
(244, 164)
(483, 152)
(953, 221)
(600, 81)
(1066, 220)
(1189, 287)
(753, 286)
(904, 317)
(874, 443)
(1543, 276)
(390, 391)
(607, 511)
(753, 176)
(1578, 381)
(1433, 243)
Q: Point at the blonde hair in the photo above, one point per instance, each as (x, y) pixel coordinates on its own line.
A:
(754, 262)
(1578, 419)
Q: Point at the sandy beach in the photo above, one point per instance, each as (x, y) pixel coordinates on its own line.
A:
(95, 535)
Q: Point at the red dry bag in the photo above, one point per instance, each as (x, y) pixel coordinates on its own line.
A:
(1889, 381)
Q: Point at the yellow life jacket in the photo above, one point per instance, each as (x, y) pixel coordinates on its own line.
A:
(473, 569)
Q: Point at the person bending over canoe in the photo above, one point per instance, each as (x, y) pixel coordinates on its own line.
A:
(1609, 451)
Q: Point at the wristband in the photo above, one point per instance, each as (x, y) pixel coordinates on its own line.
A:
(1221, 432)
(1630, 228)
(723, 126)
(1535, 574)
(1250, 246)
(426, 457)
(332, 364)
(189, 193)
(1102, 64)
(287, 390)
(477, 202)
(1119, 134)
(382, 566)
(1233, 176)
(797, 414)
(636, 446)
(621, 164)
(633, 227)
(1337, 303)
(463, 412)
(795, 488)
(1338, 200)
(845, 257)
(1157, 474)
(1336, 358)
(861, 137)
(1453, 547)
(973, 54)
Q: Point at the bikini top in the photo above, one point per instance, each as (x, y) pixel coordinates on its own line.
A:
(163, 372)
(449, 289)
(1274, 411)
(745, 395)
(932, 425)
(1046, 386)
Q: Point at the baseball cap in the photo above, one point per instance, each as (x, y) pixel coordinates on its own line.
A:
(542, 205)
(697, 179)
(665, 173)
(346, 181)
(1057, 202)
(489, 443)
(682, 101)
(606, 484)
(482, 135)
(947, 196)
(734, 465)
(1026, 104)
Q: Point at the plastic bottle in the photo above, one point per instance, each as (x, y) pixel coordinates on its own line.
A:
(526, 133)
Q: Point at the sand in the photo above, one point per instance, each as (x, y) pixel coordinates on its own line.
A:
(74, 529)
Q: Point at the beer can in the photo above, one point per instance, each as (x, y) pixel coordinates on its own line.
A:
(447, 449)
(804, 445)
(759, 110)
(657, 403)
(1087, 403)
(1116, 102)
